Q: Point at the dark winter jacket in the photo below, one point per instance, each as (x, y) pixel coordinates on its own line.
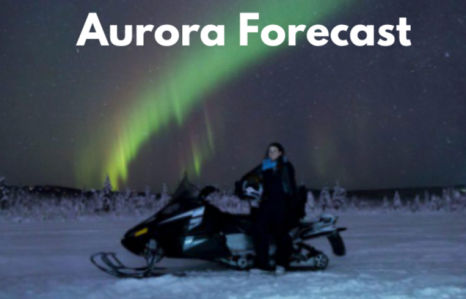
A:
(279, 185)
(278, 180)
(284, 170)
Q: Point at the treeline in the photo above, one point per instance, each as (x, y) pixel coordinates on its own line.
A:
(20, 205)
(336, 200)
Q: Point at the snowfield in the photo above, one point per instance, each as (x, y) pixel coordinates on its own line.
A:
(390, 255)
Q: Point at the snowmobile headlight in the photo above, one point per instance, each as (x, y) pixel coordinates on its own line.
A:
(141, 232)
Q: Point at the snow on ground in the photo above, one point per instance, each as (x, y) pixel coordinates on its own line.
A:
(389, 256)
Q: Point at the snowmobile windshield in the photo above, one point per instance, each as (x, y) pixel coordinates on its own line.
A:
(184, 191)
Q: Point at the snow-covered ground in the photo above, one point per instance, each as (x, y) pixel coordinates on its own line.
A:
(389, 256)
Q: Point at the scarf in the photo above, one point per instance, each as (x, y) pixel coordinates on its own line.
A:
(269, 164)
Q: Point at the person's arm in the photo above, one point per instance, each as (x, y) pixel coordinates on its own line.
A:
(297, 204)
(292, 179)
(256, 171)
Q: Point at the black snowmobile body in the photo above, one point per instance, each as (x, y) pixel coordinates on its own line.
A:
(190, 227)
(187, 228)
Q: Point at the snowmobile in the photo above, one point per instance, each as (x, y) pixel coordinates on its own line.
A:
(191, 227)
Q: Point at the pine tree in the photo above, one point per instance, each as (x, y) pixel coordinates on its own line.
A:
(164, 197)
(3, 194)
(105, 195)
(446, 199)
(354, 204)
(386, 204)
(147, 192)
(397, 201)
(426, 201)
(325, 199)
(417, 204)
(80, 205)
(310, 204)
(124, 200)
(457, 200)
(408, 205)
(462, 201)
(107, 186)
(435, 203)
(338, 196)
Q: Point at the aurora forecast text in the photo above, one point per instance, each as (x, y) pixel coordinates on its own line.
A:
(271, 35)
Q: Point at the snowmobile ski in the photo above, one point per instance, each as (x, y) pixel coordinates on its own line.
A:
(110, 264)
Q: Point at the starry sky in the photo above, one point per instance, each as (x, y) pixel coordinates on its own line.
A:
(369, 117)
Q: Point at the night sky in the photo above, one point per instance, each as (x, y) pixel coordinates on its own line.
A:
(369, 117)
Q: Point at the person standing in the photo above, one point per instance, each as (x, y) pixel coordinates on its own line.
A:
(273, 217)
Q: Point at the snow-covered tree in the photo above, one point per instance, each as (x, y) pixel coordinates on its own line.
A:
(397, 201)
(310, 204)
(95, 202)
(105, 195)
(147, 192)
(107, 186)
(462, 201)
(325, 199)
(426, 203)
(435, 203)
(121, 200)
(416, 207)
(164, 196)
(386, 204)
(3, 194)
(408, 205)
(354, 203)
(363, 205)
(338, 197)
(458, 201)
(149, 197)
(81, 204)
(447, 199)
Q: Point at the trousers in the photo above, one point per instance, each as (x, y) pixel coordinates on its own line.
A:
(272, 221)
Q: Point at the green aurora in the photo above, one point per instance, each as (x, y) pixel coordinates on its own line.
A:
(194, 75)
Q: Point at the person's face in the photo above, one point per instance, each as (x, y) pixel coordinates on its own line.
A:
(274, 153)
